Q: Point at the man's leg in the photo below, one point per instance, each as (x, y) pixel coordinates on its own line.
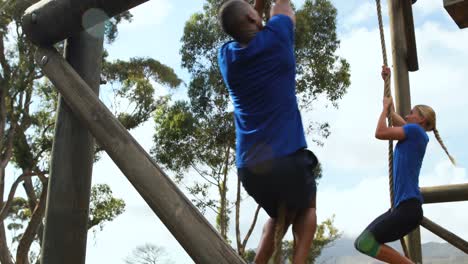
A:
(267, 241)
(266, 246)
(304, 230)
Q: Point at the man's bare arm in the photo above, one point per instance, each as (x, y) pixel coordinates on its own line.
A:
(283, 7)
(260, 6)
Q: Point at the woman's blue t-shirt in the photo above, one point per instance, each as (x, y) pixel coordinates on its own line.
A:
(261, 81)
(408, 157)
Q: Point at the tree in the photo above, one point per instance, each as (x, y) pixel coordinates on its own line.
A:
(199, 135)
(27, 118)
(146, 254)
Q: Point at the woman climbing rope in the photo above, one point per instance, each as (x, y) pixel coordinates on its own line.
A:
(409, 153)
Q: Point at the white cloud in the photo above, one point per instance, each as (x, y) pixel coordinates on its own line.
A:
(362, 13)
(427, 7)
(151, 13)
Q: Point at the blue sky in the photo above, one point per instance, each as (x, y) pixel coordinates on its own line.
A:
(354, 186)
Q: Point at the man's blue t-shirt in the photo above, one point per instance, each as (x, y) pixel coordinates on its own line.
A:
(261, 81)
(408, 157)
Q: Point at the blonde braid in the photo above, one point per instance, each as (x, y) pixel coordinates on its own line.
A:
(437, 136)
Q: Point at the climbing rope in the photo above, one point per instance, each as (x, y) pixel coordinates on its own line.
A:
(388, 93)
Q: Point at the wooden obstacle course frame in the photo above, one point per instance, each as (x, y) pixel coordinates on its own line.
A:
(458, 10)
(195, 234)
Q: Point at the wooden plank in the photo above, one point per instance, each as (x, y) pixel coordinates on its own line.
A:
(413, 244)
(50, 21)
(445, 234)
(184, 221)
(400, 67)
(412, 51)
(458, 10)
(402, 88)
(66, 225)
(445, 193)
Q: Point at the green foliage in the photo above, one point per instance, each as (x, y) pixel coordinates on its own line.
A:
(135, 80)
(104, 207)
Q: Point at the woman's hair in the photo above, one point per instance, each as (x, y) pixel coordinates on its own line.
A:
(428, 113)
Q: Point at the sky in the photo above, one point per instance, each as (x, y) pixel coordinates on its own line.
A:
(354, 186)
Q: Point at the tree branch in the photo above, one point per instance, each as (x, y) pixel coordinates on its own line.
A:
(252, 226)
(8, 148)
(240, 249)
(203, 176)
(31, 230)
(5, 66)
(11, 195)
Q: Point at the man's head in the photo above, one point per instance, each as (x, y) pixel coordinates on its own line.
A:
(239, 20)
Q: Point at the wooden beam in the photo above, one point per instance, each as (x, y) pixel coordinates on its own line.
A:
(445, 193)
(400, 67)
(50, 21)
(458, 10)
(445, 234)
(413, 245)
(412, 51)
(66, 224)
(402, 88)
(201, 241)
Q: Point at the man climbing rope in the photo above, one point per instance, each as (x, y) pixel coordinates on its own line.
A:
(258, 68)
(409, 153)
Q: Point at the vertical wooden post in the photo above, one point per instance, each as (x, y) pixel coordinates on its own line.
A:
(66, 224)
(402, 93)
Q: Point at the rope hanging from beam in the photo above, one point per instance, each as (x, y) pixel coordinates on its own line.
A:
(388, 93)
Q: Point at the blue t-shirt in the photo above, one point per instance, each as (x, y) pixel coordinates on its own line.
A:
(261, 81)
(408, 157)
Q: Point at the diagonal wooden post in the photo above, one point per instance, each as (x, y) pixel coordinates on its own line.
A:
(195, 234)
(445, 234)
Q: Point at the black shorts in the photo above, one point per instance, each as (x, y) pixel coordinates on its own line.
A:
(396, 223)
(289, 179)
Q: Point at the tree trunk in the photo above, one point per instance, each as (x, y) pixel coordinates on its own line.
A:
(240, 248)
(31, 229)
(223, 211)
(5, 255)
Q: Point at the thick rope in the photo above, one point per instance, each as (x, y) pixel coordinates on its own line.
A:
(388, 93)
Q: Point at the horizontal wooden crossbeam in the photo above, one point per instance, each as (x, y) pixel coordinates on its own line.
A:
(458, 10)
(179, 215)
(50, 21)
(445, 234)
(445, 193)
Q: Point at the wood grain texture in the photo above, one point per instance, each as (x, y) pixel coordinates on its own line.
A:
(195, 234)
